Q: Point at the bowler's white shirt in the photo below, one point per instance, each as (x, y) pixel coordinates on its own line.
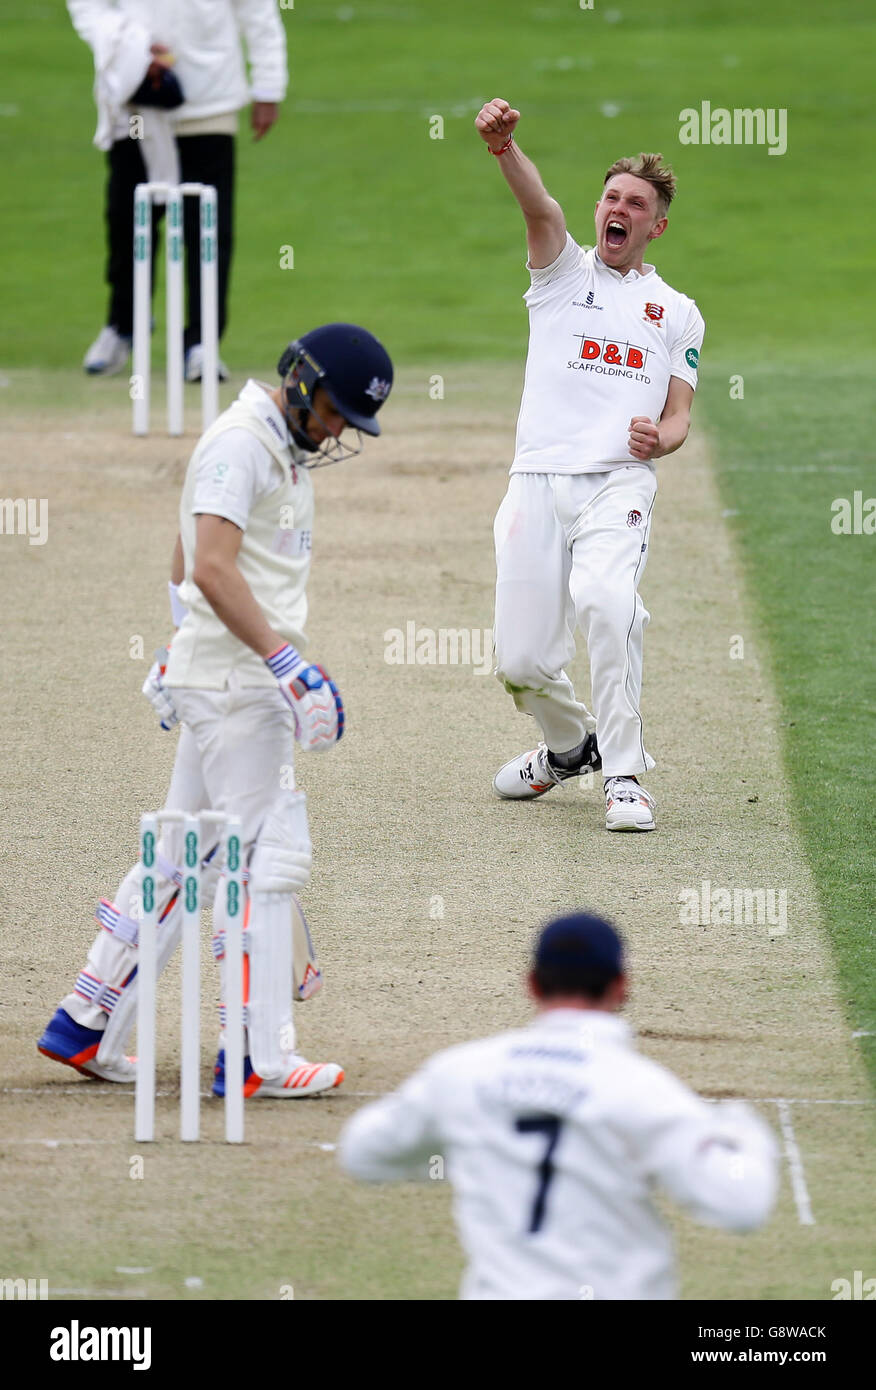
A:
(621, 1124)
(602, 348)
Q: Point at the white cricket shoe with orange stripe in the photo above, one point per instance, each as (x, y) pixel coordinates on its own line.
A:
(628, 806)
(533, 774)
(302, 1079)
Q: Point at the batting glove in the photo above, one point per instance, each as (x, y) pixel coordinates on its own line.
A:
(156, 691)
(313, 697)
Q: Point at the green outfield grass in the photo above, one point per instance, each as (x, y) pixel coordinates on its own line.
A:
(800, 438)
(418, 237)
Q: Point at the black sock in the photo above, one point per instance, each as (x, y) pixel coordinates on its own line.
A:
(570, 761)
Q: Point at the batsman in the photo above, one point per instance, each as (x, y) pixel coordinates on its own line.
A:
(235, 680)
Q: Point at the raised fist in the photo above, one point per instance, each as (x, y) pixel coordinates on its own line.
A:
(495, 122)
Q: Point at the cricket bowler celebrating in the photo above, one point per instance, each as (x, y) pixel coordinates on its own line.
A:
(237, 683)
(610, 377)
(555, 1137)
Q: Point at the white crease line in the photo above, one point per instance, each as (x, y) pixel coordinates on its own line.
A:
(803, 1100)
(83, 1088)
(98, 1293)
(90, 1088)
(56, 1143)
(795, 1165)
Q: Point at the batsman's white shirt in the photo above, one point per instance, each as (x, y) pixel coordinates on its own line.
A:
(554, 1136)
(602, 348)
(245, 468)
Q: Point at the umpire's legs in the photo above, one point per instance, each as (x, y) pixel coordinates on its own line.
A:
(207, 159)
(125, 169)
(534, 614)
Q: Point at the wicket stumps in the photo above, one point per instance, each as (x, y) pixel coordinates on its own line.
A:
(147, 974)
(173, 195)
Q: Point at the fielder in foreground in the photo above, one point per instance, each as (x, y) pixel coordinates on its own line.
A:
(610, 377)
(554, 1135)
(235, 680)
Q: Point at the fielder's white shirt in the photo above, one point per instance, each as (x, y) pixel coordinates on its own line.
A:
(247, 469)
(602, 348)
(554, 1137)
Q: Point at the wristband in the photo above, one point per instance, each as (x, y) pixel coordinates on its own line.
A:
(507, 145)
(283, 660)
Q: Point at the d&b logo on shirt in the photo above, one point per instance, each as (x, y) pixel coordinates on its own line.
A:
(615, 354)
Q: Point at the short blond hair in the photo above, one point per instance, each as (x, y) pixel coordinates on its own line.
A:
(651, 168)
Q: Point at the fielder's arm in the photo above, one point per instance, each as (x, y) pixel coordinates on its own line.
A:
(217, 543)
(721, 1166)
(545, 223)
(651, 441)
(395, 1137)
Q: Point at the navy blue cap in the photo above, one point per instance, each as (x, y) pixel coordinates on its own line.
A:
(580, 941)
(351, 365)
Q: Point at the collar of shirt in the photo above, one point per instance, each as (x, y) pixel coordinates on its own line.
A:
(257, 393)
(589, 1022)
(630, 276)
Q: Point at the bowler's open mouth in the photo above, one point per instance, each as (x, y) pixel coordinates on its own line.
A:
(615, 233)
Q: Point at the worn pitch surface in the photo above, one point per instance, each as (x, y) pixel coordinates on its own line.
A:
(426, 889)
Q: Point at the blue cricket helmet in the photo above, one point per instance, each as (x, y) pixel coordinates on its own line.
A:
(353, 368)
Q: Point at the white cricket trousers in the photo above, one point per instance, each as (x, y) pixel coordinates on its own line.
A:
(570, 550)
(235, 754)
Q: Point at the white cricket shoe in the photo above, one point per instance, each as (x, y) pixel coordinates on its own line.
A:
(114, 1069)
(299, 1078)
(304, 1079)
(108, 354)
(532, 774)
(195, 365)
(628, 806)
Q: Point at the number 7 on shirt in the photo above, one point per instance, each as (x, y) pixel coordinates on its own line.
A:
(550, 1126)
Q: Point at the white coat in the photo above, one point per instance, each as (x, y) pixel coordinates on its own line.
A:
(205, 38)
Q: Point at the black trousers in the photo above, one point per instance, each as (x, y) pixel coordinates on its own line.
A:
(203, 159)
